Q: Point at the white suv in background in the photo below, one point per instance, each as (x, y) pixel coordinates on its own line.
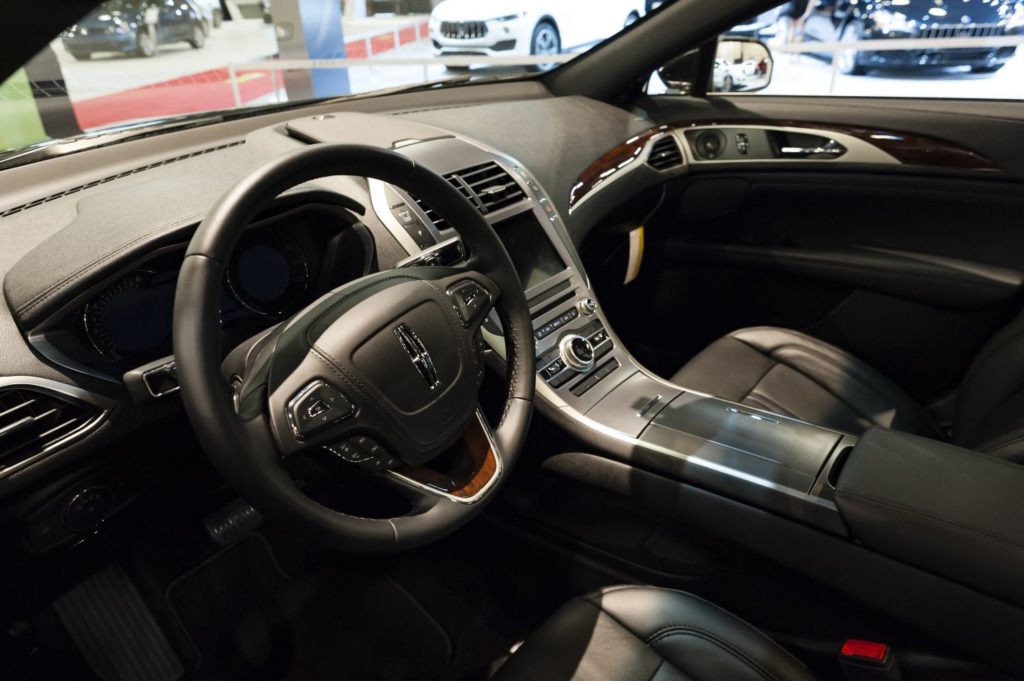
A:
(530, 27)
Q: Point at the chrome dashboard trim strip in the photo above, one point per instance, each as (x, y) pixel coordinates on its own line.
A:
(379, 204)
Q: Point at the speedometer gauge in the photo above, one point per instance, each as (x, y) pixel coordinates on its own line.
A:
(268, 273)
(130, 321)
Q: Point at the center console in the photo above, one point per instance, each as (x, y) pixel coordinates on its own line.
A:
(587, 381)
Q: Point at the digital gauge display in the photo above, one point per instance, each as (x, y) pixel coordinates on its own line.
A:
(130, 321)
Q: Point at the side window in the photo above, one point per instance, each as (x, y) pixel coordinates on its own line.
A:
(877, 48)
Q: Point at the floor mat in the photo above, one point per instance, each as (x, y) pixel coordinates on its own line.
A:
(248, 620)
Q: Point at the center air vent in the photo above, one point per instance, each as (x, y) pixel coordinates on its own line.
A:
(33, 421)
(487, 186)
(665, 154)
(490, 187)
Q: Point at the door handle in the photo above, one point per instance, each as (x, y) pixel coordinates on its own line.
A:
(831, 149)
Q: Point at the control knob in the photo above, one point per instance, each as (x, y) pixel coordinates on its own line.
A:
(577, 352)
(588, 306)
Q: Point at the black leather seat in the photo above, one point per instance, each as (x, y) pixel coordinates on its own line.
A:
(638, 633)
(794, 374)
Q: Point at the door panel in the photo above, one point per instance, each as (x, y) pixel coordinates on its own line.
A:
(912, 272)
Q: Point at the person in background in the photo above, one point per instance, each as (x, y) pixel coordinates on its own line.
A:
(794, 18)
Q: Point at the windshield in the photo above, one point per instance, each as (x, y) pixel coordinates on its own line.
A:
(138, 60)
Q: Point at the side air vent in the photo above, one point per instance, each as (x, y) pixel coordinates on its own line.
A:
(490, 187)
(665, 154)
(33, 421)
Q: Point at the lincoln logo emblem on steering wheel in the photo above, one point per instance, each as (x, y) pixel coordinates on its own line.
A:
(418, 355)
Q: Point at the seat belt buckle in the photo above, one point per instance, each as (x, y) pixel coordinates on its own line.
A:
(868, 661)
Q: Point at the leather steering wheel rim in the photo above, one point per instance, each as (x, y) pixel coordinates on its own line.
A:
(239, 445)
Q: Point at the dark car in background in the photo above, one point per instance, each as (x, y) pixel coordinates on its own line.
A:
(135, 27)
(850, 21)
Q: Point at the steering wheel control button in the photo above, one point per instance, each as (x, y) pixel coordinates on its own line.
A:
(365, 452)
(469, 298)
(348, 452)
(317, 405)
(577, 352)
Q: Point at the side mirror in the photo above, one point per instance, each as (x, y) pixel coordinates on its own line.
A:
(681, 73)
(741, 65)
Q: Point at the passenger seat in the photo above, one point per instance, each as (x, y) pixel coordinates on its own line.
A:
(791, 373)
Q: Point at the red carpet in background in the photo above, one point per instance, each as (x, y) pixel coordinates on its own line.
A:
(210, 90)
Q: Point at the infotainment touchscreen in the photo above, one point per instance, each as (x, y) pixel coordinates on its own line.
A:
(532, 253)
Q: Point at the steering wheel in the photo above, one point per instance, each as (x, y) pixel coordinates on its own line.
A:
(383, 373)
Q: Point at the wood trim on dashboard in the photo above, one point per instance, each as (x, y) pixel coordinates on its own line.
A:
(475, 464)
(909, 149)
(918, 150)
(611, 162)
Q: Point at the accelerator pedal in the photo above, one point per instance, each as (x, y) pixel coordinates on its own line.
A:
(115, 631)
(232, 522)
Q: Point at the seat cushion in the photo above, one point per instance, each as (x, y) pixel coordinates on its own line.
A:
(639, 633)
(791, 373)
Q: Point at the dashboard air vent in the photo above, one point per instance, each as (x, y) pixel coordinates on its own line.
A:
(487, 186)
(439, 222)
(431, 214)
(32, 421)
(491, 186)
(665, 154)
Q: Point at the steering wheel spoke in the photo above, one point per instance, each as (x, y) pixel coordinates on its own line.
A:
(465, 474)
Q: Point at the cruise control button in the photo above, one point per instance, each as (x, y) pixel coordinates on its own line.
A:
(469, 298)
(348, 452)
(317, 405)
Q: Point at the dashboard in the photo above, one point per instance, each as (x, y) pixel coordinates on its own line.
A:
(91, 271)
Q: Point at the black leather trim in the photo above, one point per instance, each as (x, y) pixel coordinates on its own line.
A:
(928, 279)
(945, 509)
(628, 633)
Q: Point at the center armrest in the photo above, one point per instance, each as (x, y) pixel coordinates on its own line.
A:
(945, 509)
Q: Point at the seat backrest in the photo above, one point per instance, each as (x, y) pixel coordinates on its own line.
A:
(990, 405)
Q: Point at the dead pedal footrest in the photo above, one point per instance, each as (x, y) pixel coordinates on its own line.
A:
(115, 631)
